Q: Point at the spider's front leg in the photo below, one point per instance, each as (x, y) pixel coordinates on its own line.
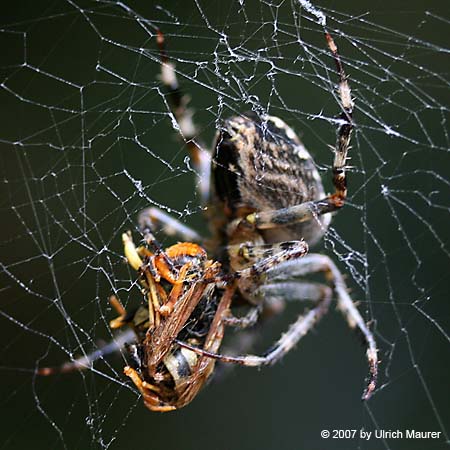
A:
(310, 210)
(315, 263)
(317, 293)
(255, 260)
(250, 282)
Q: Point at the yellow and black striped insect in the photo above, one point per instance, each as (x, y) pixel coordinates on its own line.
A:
(184, 300)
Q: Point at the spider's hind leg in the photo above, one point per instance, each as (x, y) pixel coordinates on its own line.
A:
(177, 102)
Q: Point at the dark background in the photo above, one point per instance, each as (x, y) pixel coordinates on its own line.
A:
(86, 143)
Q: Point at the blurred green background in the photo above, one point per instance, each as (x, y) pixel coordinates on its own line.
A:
(86, 143)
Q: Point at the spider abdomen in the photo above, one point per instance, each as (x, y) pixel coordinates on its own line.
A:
(260, 164)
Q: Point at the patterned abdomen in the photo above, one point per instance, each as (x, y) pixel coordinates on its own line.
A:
(261, 164)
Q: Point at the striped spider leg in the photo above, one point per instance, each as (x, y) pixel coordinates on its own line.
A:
(182, 120)
(281, 280)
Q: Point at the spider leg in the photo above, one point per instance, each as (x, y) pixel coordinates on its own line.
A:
(274, 295)
(318, 293)
(312, 209)
(263, 257)
(86, 361)
(156, 218)
(345, 129)
(183, 118)
(245, 321)
(280, 291)
(314, 263)
(275, 254)
(306, 291)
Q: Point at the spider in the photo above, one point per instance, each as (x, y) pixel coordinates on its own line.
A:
(266, 205)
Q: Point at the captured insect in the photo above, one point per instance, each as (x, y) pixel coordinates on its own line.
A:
(185, 298)
(185, 301)
(266, 205)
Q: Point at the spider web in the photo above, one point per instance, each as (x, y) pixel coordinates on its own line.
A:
(87, 141)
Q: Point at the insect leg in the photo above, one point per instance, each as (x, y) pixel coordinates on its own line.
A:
(148, 391)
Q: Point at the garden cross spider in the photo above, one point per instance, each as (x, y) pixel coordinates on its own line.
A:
(266, 206)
